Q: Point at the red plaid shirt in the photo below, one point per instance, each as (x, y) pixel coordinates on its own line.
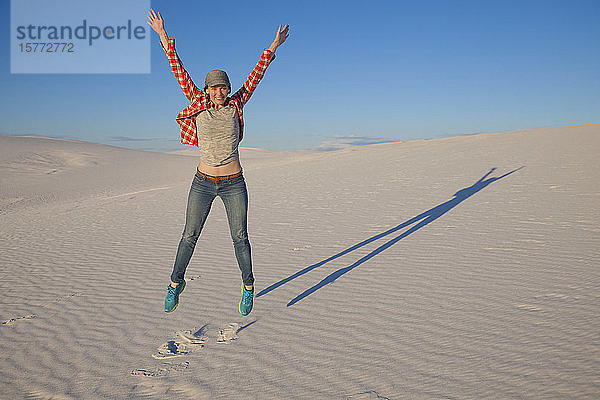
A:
(199, 100)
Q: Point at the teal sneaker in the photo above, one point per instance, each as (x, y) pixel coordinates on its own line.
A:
(172, 299)
(247, 301)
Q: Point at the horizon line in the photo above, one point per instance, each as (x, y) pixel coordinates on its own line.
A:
(341, 146)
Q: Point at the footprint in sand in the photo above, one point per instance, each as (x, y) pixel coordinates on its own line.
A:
(67, 297)
(228, 334)
(170, 349)
(161, 371)
(308, 246)
(185, 343)
(13, 320)
(188, 341)
(59, 299)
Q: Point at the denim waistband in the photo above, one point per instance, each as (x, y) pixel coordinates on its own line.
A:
(219, 178)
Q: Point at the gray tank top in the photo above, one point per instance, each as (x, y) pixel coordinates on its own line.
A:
(218, 135)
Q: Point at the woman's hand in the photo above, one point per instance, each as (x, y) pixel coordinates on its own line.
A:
(157, 23)
(280, 37)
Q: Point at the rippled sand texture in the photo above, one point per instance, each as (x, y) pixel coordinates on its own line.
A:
(458, 268)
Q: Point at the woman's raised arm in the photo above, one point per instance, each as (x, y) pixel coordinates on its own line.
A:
(280, 37)
(190, 90)
(158, 25)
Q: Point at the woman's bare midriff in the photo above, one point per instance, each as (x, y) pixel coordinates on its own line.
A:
(222, 170)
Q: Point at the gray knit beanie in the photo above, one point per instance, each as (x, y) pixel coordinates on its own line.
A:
(217, 77)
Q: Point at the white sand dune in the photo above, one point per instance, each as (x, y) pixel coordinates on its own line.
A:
(458, 268)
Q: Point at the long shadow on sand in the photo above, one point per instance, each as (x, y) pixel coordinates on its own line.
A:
(424, 218)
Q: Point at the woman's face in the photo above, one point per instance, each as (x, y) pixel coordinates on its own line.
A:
(218, 94)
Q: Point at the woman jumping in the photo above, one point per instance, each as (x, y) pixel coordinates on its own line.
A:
(213, 121)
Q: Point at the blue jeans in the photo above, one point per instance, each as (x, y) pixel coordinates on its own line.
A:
(234, 194)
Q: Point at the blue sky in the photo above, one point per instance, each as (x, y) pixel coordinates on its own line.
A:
(351, 72)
